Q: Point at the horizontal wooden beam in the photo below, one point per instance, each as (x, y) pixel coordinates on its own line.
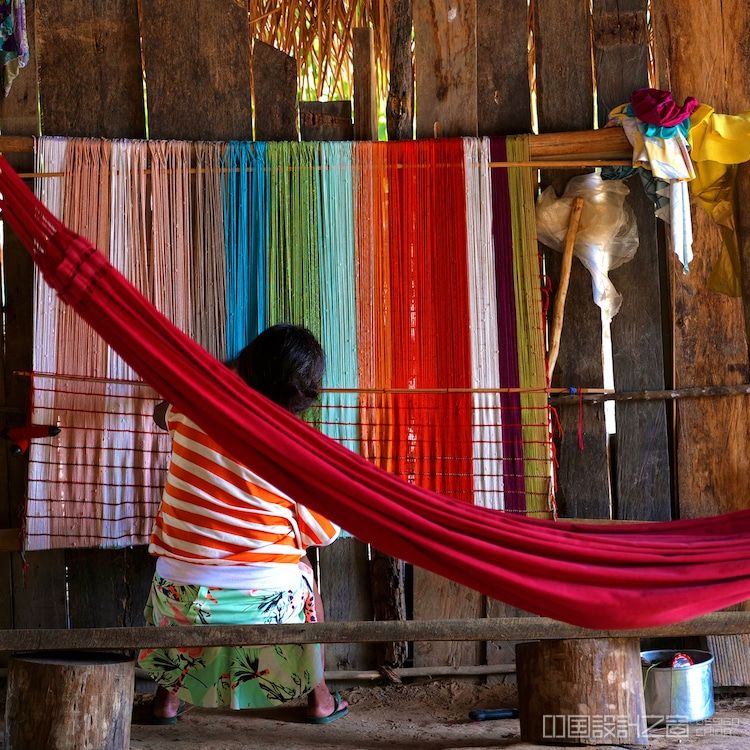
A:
(481, 670)
(576, 146)
(498, 629)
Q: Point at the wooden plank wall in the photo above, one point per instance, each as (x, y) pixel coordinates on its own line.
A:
(702, 52)
(326, 121)
(565, 102)
(474, 78)
(641, 482)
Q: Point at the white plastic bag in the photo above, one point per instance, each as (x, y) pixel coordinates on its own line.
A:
(607, 235)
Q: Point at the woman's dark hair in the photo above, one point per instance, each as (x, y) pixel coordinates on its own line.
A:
(285, 363)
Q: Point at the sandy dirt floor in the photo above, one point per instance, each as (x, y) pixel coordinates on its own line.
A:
(432, 716)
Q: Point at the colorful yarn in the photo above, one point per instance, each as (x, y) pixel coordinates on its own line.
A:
(529, 331)
(340, 414)
(245, 237)
(414, 263)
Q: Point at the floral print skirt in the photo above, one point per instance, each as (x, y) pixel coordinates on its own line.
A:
(232, 677)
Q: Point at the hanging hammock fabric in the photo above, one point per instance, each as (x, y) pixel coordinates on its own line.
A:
(604, 576)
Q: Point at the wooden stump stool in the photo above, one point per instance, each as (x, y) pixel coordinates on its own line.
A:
(581, 692)
(69, 701)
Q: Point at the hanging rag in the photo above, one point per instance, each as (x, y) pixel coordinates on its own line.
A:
(662, 151)
(657, 107)
(718, 143)
(14, 44)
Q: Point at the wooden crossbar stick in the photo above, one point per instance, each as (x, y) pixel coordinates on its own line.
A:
(562, 290)
(489, 629)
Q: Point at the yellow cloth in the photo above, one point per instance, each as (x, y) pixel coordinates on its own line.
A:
(718, 143)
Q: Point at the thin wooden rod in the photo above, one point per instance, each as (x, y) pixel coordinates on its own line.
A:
(492, 165)
(491, 629)
(709, 391)
(562, 290)
(410, 672)
(140, 383)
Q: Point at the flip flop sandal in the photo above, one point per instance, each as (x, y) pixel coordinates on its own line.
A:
(337, 713)
(165, 721)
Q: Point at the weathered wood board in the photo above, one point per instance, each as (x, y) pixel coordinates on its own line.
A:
(565, 102)
(275, 94)
(709, 335)
(197, 69)
(365, 86)
(344, 588)
(106, 100)
(503, 92)
(326, 121)
(90, 80)
(399, 110)
(641, 483)
(445, 42)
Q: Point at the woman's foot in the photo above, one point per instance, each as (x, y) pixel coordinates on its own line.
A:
(165, 706)
(323, 708)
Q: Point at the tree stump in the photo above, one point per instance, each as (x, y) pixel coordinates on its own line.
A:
(581, 692)
(69, 701)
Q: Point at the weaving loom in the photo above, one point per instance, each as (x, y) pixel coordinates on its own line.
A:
(605, 577)
(413, 263)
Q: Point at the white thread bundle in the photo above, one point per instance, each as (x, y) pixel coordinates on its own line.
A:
(485, 373)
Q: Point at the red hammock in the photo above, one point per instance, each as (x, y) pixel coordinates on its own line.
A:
(603, 576)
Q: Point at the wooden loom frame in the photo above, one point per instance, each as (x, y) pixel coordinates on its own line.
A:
(571, 150)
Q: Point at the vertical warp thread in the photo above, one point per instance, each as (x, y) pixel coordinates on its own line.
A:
(513, 454)
(337, 292)
(530, 328)
(209, 263)
(487, 416)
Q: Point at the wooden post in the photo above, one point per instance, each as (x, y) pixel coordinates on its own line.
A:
(275, 94)
(69, 702)
(400, 105)
(583, 692)
(445, 39)
(365, 86)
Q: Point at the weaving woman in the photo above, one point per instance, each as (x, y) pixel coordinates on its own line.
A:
(231, 550)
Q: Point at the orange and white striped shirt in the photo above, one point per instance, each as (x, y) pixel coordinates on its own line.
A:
(221, 525)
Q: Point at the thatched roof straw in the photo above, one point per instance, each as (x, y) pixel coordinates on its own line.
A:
(318, 34)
